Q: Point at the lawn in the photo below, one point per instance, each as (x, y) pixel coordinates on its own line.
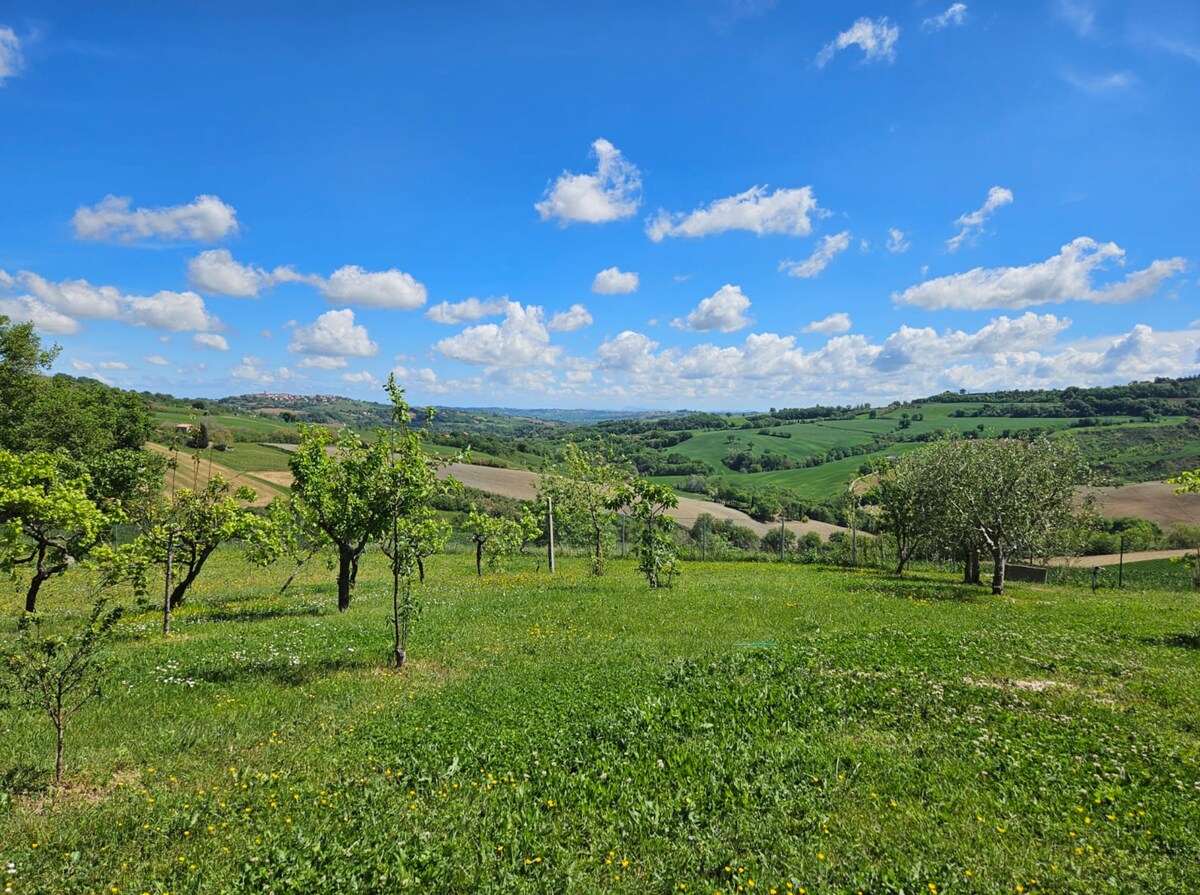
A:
(760, 728)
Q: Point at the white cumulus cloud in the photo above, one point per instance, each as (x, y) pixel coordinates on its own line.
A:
(210, 340)
(467, 311)
(825, 252)
(333, 334)
(723, 311)
(1066, 276)
(787, 212)
(361, 378)
(521, 340)
(351, 285)
(11, 60)
(45, 319)
(876, 38)
(205, 219)
(955, 15)
(612, 192)
(570, 320)
(971, 225)
(614, 281)
(157, 359)
(834, 323)
(172, 311)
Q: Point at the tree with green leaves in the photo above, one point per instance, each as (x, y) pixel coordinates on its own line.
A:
(47, 518)
(1006, 496)
(342, 482)
(415, 531)
(657, 552)
(583, 485)
(22, 361)
(496, 537)
(59, 674)
(907, 505)
(185, 531)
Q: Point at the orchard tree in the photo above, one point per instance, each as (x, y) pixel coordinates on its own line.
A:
(298, 535)
(1006, 496)
(583, 487)
(657, 552)
(343, 483)
(411, 484)
(182, 534)
(496, 537)
(57, 674)
(907, 505)
(47, 519)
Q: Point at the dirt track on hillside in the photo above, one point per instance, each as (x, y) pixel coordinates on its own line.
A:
(1111, 559)
(522, 485)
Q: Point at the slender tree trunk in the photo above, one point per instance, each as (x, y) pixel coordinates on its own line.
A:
(39, 575)
(58, 754)
(421, 569)
(296, 571)
(479, 559)
(971, 566)
(345, 576)
(997, 571)
(181, 589)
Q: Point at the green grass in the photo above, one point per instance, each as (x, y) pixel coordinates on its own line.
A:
(248, 457)
(554, 734)
(1157, 574)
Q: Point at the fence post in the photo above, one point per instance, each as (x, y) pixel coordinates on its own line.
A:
(550, 531)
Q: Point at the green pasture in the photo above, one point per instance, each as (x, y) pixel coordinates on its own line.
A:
(761, 728)
(253, 424)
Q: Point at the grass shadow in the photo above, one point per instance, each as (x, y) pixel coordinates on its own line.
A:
(1180, 641)
(285, 674)
(255, 613)
(923, 587)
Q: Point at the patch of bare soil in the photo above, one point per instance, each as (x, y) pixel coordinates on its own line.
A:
(191, 475)
(1156, 501)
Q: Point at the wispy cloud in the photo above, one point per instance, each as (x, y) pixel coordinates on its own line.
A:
(971, 225)
(954, 16)
(876, 38)
(11, 59)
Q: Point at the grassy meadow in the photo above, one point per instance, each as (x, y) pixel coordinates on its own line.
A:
(760, 728)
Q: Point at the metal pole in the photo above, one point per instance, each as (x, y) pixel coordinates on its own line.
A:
(782, 534)
(622, 535)
(550, 531)
(1121, 565)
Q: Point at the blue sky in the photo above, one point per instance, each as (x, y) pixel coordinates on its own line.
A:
(709, 204)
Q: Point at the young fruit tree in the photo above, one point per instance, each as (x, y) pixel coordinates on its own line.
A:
(343, 483)
(1007, 496)
(47, 520)
(414, 530)
(657, 552)
(583, 486)
(58, 674)
(181, 535)
(496, 537)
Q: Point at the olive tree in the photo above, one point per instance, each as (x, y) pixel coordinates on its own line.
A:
(47, 519)
(1006, 496)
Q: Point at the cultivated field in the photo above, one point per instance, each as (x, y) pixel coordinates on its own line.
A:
(759, 728)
